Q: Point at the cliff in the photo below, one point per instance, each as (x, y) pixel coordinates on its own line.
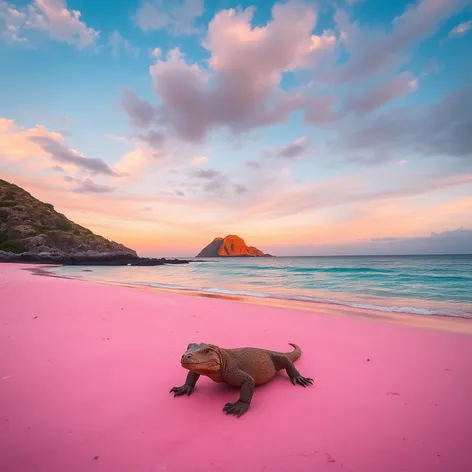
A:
(230, 246)
(33, 231)
(29, 225)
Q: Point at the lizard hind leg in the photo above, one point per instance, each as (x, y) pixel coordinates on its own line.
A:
(283, 362)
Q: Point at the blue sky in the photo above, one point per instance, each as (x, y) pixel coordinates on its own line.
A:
(299, 124)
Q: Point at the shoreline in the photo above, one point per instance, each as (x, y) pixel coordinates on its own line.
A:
(456, 323)
(78, 259)
(86, 370)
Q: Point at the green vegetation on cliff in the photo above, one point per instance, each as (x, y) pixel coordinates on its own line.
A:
(29, 225)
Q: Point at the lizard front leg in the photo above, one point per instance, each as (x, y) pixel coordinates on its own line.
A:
(187, 387)
(247, 383)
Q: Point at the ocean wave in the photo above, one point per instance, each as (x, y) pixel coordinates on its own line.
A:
(301, 270)
(434, 278)
(311, 299)
(339, 270)
(363, 306)
(353, 272)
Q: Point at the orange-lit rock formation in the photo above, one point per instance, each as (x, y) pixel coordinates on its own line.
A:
(230, 246)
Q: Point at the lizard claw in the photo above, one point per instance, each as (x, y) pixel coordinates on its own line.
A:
(237, 409)
(303, 381)
(184, 389)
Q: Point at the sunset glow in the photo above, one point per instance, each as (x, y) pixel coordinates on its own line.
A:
(304, 127)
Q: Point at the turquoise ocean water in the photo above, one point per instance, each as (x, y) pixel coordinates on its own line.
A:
(419, 285)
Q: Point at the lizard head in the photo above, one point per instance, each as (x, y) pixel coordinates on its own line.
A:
(201, 358)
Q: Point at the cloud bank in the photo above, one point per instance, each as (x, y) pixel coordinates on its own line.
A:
(458, 241)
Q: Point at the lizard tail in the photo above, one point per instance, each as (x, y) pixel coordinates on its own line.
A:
(295, 354)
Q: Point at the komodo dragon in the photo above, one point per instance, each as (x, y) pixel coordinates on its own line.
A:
(242, 367)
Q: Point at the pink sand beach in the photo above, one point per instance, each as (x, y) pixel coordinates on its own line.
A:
(86, 369)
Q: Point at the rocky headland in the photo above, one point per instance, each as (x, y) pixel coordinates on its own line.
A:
(230, 246)
(33, 231)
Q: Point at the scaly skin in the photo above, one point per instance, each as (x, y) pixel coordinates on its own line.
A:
(244, 367)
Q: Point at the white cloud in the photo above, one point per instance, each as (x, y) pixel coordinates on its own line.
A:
(156, 52)
(11, 20)
(326, 40)
(199, 160)
(16, 144)
(51, 17)
(291, 151)
(177, 17)
(134, 162)
(461, 29)
(117, 43)
(88, 186)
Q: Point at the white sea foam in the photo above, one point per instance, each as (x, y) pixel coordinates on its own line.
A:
(332, 301)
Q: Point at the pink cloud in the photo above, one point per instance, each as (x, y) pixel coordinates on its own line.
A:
(117, 43)
(40, 148)
(177, 17)
(65, 155)
(319, 109)
(373, 51)
(199, 160)
(442, 129)
(140, 112)
(51, 17)
(461, 29)
(374, 98)
(135, 162)
(88, 186)
(292, 150)
(240, 90)
(156, 52)
(16, 143)
(361, 188)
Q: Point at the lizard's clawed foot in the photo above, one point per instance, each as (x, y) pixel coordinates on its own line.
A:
(303, 381)
(184, 389)
(236, 409)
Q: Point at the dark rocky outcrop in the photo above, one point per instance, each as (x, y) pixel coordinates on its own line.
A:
(108, 259)
(230, 246)
(33, 231)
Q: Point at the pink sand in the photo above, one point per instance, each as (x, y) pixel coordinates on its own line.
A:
(86, 369)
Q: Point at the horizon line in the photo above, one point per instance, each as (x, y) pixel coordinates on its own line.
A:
(324, 255)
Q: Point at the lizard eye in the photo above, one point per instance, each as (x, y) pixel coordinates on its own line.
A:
(206, 350)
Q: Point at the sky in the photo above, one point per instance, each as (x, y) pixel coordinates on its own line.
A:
(305, 127)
